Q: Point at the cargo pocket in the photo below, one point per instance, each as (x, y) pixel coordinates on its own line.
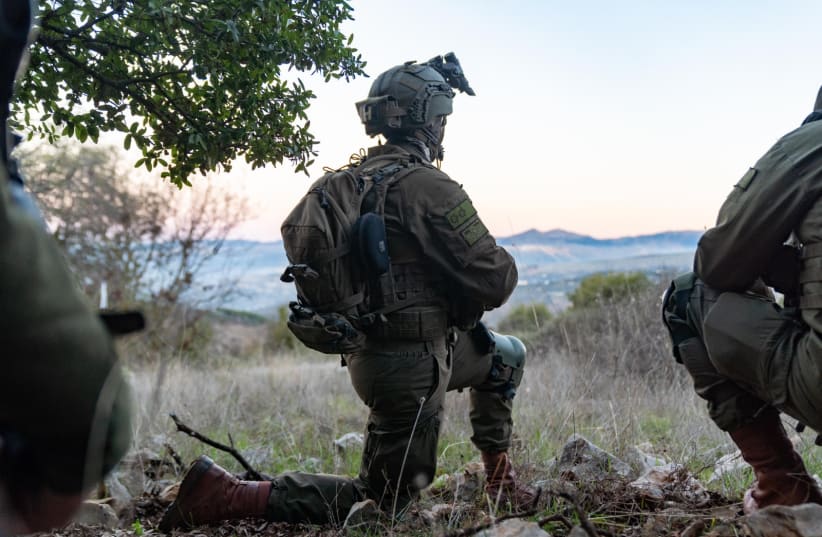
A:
(741, 333)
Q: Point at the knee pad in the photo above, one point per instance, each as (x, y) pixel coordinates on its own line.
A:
(507, 363)
(675, 311)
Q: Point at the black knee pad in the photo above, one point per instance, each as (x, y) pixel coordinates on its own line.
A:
(675, 311)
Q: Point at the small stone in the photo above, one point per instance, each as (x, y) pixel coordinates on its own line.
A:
(349, 441)
(93, 513)
(580, 460)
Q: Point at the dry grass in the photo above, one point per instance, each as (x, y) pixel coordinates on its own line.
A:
(606, 374)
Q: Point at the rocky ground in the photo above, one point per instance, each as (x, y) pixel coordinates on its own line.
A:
(586, 492)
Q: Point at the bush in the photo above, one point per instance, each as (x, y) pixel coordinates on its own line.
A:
(278, 336)
(623, 337)
(607, 288)
(525, 318)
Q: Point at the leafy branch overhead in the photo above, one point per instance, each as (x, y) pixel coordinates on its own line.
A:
(192, 84)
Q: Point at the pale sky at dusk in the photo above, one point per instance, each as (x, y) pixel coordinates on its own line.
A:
(603, 118)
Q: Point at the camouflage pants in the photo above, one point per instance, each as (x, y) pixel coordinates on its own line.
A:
(747, 354)
(403, 384)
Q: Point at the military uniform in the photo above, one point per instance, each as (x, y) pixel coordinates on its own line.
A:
(439, 248)
(757, 353)
(407, 321)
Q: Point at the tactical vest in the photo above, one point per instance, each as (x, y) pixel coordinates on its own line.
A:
(347, 286)
(409, 289)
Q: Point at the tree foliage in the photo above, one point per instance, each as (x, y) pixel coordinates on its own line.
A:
(608, 287)
(192, 84)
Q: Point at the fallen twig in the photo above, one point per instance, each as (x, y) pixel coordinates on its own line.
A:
(183, 428)
(584, 523)
(555, 518)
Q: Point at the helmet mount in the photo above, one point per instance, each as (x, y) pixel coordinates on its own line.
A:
(406, 100)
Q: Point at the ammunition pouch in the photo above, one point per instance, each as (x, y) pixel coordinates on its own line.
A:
(675, 311)
(370, 244)
(507, 363)
(329, 333)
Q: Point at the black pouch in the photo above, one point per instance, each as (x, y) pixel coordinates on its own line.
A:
(329, 333)
(370, 244)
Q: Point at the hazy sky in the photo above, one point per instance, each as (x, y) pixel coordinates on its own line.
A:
(600, 117)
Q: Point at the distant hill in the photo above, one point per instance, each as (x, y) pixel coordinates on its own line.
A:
(534, 247)
(550, 264)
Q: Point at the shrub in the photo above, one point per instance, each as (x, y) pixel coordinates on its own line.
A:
(607, 288)
(278, 336)
(525, 318)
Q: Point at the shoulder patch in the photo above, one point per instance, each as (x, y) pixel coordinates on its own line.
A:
(747, 179)
(461, 214)
(474, 232)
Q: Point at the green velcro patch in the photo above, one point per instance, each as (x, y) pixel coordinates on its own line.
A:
(460, 214)
(474, 232)
(747, 179)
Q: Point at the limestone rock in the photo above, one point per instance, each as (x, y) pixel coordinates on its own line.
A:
(92, 513)
(671, 482)
(581, 460)
(364, 513)
(781, 521)
(349, 441)
(641, 459)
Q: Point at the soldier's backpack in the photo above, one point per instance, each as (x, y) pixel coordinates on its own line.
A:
(333, 246)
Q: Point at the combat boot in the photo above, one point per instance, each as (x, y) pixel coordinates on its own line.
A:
(781, 477)
(501, 483)
(210, 494)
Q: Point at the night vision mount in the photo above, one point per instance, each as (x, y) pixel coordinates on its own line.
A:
(451, 70)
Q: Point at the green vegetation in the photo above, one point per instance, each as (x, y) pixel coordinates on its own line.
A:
(525, 318)
(608, 287)
(278, 335)
(193, 85)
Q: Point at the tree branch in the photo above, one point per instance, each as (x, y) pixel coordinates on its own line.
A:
(183, 428)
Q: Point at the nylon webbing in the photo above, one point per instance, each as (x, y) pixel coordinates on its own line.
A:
(811, 250)
(341, 305)
(810, 302)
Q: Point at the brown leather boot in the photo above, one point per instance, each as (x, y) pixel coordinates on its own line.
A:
(781, 477)
(501, 483)
(210, 494)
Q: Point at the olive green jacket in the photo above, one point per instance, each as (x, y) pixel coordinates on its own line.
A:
(431, 219)
(778, 196)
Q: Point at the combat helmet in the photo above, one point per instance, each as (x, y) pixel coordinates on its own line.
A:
(412, 96)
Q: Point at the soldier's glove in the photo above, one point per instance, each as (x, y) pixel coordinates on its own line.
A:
(782, 272)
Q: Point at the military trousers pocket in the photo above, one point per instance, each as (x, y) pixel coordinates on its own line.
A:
(742, 333)
(394, 385)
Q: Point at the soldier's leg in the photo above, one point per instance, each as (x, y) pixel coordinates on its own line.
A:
(473, 367)
(493, 373)
(404, 386)
(687, 303)
(735, 347)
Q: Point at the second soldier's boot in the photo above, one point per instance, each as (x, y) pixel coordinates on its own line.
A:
(781, 477)
(210, 494)
(501, 483)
